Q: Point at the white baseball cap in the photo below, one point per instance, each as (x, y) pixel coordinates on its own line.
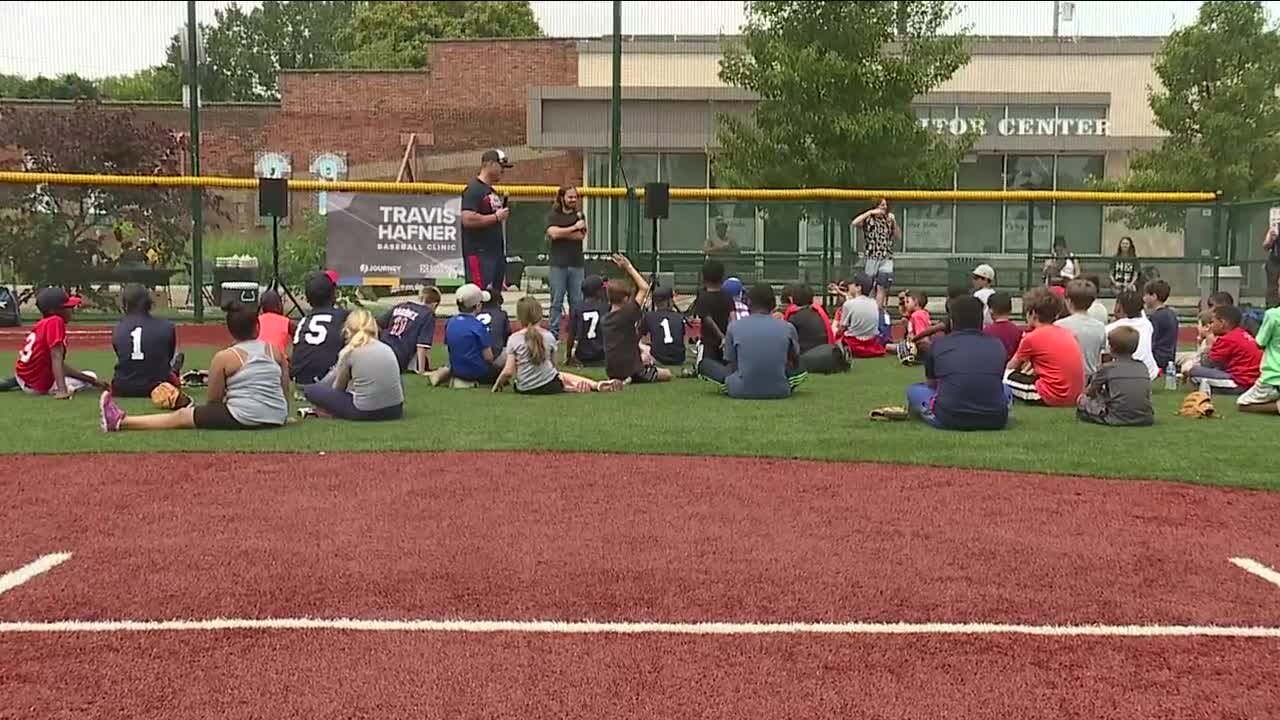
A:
(470, 295)
(986, 272)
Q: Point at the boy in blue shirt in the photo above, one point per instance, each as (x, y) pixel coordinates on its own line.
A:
(471, 356)
(965, 372)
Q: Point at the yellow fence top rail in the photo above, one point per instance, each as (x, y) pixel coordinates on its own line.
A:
(548, 191)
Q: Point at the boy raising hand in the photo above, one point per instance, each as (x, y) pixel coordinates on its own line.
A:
(622, 360)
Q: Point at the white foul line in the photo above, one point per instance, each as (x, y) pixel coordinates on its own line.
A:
(1257, 568)
(551, 627)
(40, 565)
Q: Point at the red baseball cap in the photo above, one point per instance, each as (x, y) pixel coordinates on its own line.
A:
(332, 275)
(55, 298)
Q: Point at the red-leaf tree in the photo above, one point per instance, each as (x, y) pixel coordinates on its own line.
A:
(52, 233)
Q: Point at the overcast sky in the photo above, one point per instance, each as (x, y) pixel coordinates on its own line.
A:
(108, 38)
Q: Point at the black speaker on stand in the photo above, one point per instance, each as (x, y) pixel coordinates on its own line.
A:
(273, 201)
(657, 206)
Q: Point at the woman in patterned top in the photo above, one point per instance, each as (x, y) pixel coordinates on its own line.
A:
(880, 230)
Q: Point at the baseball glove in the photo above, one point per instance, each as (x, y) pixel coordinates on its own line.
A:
(1197, 405)
(168, 397)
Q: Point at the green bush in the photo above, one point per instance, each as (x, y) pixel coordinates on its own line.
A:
(302, 249)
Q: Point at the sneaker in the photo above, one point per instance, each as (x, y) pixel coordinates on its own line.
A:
(111, 414)
(8, 383)
(689, 372)
(179, 359)
(306, 412)
(611, 386)
(460, 384)
(196, 378)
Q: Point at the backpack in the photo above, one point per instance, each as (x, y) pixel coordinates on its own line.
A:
(8, 308)
(1251, 319)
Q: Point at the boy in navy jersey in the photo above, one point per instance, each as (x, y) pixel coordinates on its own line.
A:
(665, 327)
(146, 347)
(586, 324)
(496, 319)
(409, 328)
(318, 339)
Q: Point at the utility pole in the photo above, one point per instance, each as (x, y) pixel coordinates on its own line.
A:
(197, 193)
(615, 125)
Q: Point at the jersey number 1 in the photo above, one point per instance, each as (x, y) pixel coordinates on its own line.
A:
(666, 331)
(137, 344)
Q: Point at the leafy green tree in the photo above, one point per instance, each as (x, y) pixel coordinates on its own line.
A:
(153, 84)
(52, 232)
(1219, 108)
(395, 34)
(246, 50)
(836, 81)
(64, 87)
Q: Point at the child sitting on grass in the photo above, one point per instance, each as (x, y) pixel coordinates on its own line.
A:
(860, 320)
(913, 307)
(1090, 335)
(42, 367)
(1129, 314)
(1234, 360)
(471, 356)
(530, 353)
(1009, 333)
(1264, 396)
(1119, 393)
(1164, 323)
(1047, 368)
(964, 371)
(409, 328)
(586, 336)
(665, 326)
(1187, 361)
(622, 357)
(274, 328)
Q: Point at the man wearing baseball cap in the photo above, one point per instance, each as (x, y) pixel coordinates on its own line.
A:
(471, 356)
(984, 280)
(484, 214)
(42, 367)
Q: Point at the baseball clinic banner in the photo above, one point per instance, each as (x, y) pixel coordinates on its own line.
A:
(378, 239)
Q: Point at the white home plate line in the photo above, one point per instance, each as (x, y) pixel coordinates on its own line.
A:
(550, 627)
(1257, 568)
(42, 564)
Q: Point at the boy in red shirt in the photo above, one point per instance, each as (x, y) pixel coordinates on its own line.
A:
(42, 368)
(1056, 375)
(1233, 363)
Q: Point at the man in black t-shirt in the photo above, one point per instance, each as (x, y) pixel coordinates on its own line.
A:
(484, 213)
(622, 360)
(566, 232)
(664, 325)
(713, 308)
(145, 347)
(318, 338)
(586, 334)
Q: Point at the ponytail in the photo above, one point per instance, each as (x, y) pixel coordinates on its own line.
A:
(529, 313)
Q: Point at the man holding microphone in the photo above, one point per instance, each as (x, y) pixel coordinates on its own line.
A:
(484, 217)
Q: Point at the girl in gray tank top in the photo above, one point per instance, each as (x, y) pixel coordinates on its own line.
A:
(254, 395)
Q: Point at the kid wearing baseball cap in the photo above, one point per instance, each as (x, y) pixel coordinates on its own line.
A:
(471, 356)
(42, 367)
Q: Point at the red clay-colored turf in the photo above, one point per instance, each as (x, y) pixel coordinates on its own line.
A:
(500, 536)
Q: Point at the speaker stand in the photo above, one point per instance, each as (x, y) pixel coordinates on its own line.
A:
(276, 283)
(653, 275)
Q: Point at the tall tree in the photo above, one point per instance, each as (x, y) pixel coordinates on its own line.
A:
(1218, 105)
(246, 50)
(836, 81)
(51, 232)
(154, 83)
(68, 86)
(395, 34)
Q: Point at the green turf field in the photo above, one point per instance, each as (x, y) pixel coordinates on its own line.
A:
(825, 420)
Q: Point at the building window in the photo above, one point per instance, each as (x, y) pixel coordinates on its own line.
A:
(689, 221)
(978, 225)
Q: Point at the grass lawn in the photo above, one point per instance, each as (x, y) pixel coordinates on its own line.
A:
(825, 420)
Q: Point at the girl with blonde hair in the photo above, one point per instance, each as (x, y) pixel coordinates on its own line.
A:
(366, 385)
(529, 355)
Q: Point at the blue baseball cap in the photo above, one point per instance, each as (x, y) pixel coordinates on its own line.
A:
(732, 286)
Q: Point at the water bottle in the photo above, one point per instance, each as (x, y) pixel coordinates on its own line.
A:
(1171, 376)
